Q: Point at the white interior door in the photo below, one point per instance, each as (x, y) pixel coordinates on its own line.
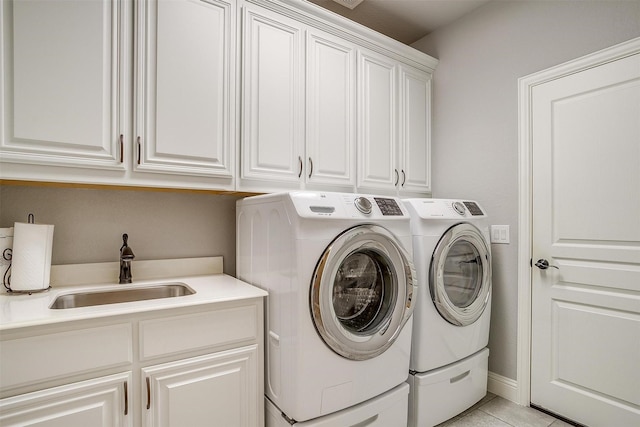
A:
(585, 348)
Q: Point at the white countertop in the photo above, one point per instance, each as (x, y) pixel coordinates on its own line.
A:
(22, 310)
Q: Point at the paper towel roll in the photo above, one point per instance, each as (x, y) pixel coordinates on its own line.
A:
(31, 256)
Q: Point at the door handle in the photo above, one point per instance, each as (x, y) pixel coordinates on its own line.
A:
(543, 264)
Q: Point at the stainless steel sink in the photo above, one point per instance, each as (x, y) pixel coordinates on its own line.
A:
(115, 296)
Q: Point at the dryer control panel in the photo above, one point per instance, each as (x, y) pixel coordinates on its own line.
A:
(445, 208)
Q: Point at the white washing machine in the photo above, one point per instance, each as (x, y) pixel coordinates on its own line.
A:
(449, 360)
(339, 272)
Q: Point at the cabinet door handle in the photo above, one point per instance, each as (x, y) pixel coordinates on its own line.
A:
(148, 394)
(397, 177)
(121, 148)
(300, 161)
(138, 142)
(126, 398)
(404, 177)
(310, 167)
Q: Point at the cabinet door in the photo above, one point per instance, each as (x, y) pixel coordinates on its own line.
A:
(377, 140)
(331, 118)
(184, 87)
(415, 130)
(220, 389)
(60, 97)
(99, 402)
(273, 105)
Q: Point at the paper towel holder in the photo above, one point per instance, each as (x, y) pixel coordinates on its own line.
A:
(7, 255)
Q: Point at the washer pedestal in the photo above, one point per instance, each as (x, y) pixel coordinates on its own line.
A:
(387, 410)
(443, 393)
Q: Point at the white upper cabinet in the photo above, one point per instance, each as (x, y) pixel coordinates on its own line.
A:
(273, 103)
(185, 76)
(60, 93)
(377, 116)
(330, 112)
(414, 131)
(394, 127)
(298, 105)
(91, 96)
(231, 95)
(328, 108)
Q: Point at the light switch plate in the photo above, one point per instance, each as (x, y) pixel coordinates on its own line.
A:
(500, 234)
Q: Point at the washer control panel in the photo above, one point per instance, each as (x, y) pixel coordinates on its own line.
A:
(347, 205)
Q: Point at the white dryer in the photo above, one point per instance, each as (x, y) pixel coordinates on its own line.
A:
(339, 272)
(449, 359)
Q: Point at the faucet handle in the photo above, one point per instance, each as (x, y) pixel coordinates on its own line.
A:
(125, 250)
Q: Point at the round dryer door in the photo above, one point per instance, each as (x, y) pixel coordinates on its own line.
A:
(362, 291)
(460, 275)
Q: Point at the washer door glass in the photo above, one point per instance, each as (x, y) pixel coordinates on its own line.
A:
(361, 292)
(460, 275)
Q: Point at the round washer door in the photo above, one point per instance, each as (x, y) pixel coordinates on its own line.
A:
(460, 275)
(362, 292)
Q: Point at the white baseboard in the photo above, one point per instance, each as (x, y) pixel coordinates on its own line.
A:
(503, 387)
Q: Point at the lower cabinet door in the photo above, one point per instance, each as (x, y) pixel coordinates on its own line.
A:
(98, 402)
(219, 389)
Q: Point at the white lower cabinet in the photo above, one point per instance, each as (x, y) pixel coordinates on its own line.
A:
(196, 366)
(218, 387)
(98, 402)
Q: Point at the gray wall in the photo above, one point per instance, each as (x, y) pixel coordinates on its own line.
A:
(475, 114)
(89, 223)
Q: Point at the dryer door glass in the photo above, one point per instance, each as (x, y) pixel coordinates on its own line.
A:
(460, 275)
(362, 292)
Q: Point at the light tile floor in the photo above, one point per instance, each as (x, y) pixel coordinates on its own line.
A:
(494, 411)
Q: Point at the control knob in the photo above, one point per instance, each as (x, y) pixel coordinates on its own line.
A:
(363, 205)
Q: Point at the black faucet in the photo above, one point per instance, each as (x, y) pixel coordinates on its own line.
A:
(126, 256)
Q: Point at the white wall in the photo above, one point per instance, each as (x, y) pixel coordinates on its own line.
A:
(89, 223)
(475, 114)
